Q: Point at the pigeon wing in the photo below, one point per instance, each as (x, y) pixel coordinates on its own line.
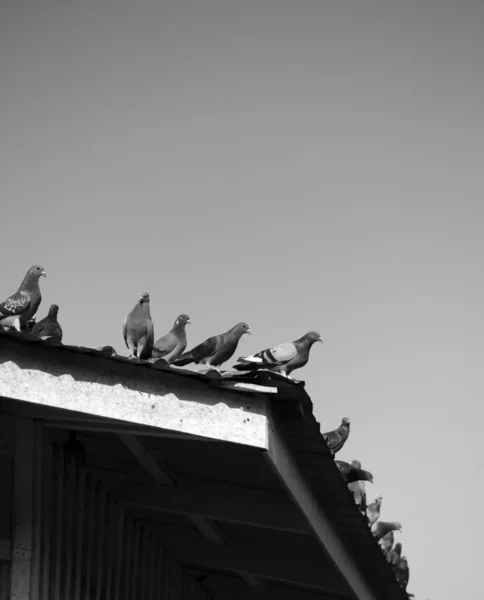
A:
(206, 349)
(150, 334)
(14, 305)
(165, 345)
(273, 357)
(125, 331)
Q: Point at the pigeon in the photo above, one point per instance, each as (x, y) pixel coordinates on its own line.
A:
(381, 528)
(75, 448)
(49, 328)
(23, 305)
(138, 329)
(216, 350)
(355, 477)
(29, 325)
(395, 554)
(107, 351)
(336, 439)
(373, 510)
(352, 472)
(283, 358)
(358, 487)
(173, 344)
(402, 572)
(386, 542)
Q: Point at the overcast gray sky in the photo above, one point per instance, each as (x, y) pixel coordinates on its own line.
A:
(297, 165)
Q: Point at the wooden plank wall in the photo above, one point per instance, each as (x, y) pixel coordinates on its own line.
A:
(86, 545)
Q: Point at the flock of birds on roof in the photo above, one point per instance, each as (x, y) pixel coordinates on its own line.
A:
(18, 312)
(383, 531)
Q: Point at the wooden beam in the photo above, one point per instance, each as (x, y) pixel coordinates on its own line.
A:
(220, 501)
(284, 464)
(211, 530)
(5, 550)
(23, 510)
(164, 476)
(38, 508)
(160, 472)
(105, 426)
(59, 378)
(299, 564)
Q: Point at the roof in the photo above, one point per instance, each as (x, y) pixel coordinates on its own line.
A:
(259, 470)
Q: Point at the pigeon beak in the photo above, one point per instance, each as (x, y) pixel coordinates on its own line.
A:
(188, 322)
(43, 274)
(248, 332)
(320, 340)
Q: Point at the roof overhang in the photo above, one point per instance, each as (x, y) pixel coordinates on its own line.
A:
(278, 513)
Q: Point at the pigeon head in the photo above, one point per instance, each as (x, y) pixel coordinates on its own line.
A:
(182, 320)
(144, 297)
(398, 548)
(379, 498)
(346, 421)
(241, 328)
(391, 526)
(53, 310)
(38, 271)
(34, 273)
(311, 337)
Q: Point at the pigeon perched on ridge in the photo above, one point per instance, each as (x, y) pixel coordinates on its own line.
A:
(358, 488)
(28, 326)
(49, 328)
(138, 329)
(336, 439)
(386, 543)
(22, 306)
(355, 478)
(373, 510)
(283, 358)
(402, 572)
(75, 448)
(216, 350)
(352, 472)
(172, 345)
(395, 554)
(381, 528)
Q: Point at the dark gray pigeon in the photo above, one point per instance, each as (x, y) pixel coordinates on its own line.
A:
(395, 554)
(355, 478)
(358, 487)
(138, 329)
(23, 305)
(216, 350)
(172, 345)
(352, 472)
(29, 325)
(74, 447)
(402, 572)
(283, 358)
(336, 439)
(373, 510)
(381, 528)
(386, 542)
(49, 328)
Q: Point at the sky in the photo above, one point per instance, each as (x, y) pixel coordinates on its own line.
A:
(295, 165)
